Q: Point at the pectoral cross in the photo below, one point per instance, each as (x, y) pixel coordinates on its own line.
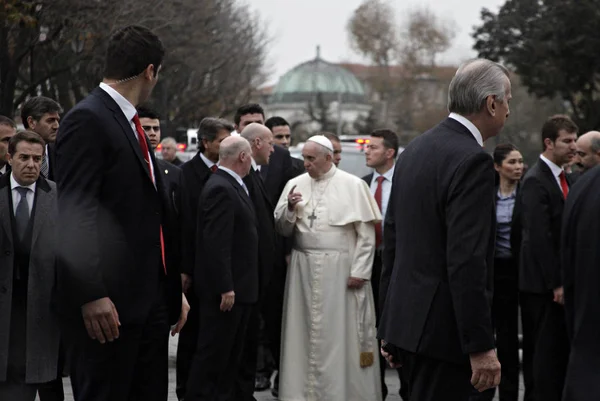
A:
(312, 218)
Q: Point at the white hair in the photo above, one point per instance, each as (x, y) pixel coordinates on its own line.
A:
(473, 82)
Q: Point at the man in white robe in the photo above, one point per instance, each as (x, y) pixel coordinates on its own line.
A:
(328, 333)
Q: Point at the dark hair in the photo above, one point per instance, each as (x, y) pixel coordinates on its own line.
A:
(554, 125)
(36, 107)
(147, 112)
(331, 136)
(209, 129)
(252, 108)
(502, 151)
(130, 50)
(7, 121)
(276, 122)
(390, 139)
(24, 136)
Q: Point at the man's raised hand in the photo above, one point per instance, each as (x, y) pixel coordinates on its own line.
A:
(293, 199)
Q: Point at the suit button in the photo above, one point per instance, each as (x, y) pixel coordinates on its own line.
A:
(3, 290)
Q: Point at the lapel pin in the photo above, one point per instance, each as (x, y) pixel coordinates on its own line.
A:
(166, 171)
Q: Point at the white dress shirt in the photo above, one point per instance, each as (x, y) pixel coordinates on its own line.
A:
(16, 196)
(237, 178)
(129, 111)
(208, 163)
(556, 170)
(470, 126)
(3, 169)
(386, 188)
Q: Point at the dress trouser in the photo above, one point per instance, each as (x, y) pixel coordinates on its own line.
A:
(186, 346)
(15, 388)
(435, 380)
(132, 368)
(216, 364)
(505, 316)
(545, 346)
(375, 283)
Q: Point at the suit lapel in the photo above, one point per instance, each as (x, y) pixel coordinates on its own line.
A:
(368, 179)
(126, 126)
(43, 204)
(240, 190)
(551, 179)
(5, 203)
(200, 168)
(261, 187)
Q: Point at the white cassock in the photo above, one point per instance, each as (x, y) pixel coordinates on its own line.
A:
(328, 329)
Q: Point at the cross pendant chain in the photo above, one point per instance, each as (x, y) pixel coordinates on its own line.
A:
(312, 218)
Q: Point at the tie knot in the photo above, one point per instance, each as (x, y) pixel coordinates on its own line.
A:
(214, 168)
(561, 175)
(380, 179)
(22, 191)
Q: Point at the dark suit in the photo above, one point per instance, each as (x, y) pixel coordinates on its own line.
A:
(29, 331)
(580, 255)
(375, 285)
(195, 174)
(111, 217)
(266, 246)
(438, 254)
(545, 342)
(228, 239)
(52, 161)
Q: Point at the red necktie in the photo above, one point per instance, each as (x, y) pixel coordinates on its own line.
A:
(214, 168)
(144, 148)
(563, 184)
(378, 229)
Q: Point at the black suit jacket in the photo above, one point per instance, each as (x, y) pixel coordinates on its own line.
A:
(111, 214)
(278, 172)
(266, 227)
(227, 238)
(580, 256)
(439, 247)
(173, 181)
(52, 164)
(541, 206)
(195, 174)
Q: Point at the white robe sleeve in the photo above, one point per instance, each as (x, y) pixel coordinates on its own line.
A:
(362, 265)
(284, 219)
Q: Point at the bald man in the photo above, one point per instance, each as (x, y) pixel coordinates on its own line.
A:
(588, 150)
(226, 277)
(261, 142)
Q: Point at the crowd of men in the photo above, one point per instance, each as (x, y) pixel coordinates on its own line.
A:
(263, 263)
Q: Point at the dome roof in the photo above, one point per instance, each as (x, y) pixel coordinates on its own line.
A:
(303, 82)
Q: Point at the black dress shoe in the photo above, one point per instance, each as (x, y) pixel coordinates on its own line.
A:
(262, 383)
(275, 389)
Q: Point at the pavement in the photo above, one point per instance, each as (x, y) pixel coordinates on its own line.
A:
(391, 380)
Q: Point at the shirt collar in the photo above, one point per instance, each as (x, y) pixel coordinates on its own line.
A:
(556, 170)
(209, 163)
(328, 174)
(470, 126)
(388, 175)
(3, 169)
(14, 184)
(125, 105)
(233, 174)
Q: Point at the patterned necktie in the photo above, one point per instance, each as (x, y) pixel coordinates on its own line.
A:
(22, 212)
(378, 227)
(144, 148)
(563, 184)
(44, 168)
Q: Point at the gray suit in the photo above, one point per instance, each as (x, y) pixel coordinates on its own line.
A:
(42, 337)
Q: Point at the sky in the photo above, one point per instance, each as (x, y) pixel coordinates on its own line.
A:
(296, 27)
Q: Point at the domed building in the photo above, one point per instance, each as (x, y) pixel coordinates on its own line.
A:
(315, 91)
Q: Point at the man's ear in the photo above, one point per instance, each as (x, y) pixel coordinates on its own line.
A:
(491, 105)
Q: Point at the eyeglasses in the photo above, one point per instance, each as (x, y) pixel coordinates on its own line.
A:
(148, 128)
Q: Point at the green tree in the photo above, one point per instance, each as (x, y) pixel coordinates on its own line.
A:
(553, 46)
